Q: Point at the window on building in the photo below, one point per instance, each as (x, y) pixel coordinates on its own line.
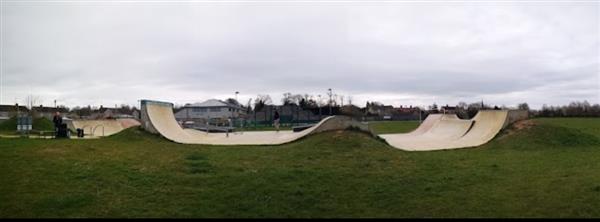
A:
(199, 110)
(215, 109)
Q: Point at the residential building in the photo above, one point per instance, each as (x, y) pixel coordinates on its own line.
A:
(210, 109)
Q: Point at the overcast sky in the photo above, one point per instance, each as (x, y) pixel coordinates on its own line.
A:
(401, 53)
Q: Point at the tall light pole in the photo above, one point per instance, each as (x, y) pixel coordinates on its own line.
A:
(330, 94)
(319, 105)
(236, 101)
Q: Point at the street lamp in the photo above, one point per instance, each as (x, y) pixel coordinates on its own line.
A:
(319, 105)
(233, 108)
(330, 101)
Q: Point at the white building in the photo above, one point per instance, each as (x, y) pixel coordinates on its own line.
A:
(209, 109)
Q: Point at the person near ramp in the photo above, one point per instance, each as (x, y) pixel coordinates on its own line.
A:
(60, 128)
(57, 120)
(276, 120)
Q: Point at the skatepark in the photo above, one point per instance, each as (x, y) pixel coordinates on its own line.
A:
(437, 132)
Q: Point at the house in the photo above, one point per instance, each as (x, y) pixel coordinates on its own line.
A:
(407, 113)
(449, 109)
(115, 113)
(47, 112)
(8, 111)
(209, 109)
(381, 110)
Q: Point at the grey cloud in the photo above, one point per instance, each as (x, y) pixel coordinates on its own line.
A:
(411, 53)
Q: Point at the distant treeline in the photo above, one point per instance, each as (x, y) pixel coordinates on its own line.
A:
(574, 109)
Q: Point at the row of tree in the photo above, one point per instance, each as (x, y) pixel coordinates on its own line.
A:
(574, 109)
(463, 109)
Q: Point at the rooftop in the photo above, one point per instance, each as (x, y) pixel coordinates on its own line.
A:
(212, 103)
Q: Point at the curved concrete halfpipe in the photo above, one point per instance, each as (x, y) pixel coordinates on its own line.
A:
(158, 117)
(449, 132)
(104, 127)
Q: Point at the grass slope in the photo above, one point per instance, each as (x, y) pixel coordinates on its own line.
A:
(550, 170)
(10, 126)
(382, 127)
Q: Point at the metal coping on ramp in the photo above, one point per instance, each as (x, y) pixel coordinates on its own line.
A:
(157, 117)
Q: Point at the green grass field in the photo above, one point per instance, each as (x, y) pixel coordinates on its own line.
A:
(550, 170)
(382, 127)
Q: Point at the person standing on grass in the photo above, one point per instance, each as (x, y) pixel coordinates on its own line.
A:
(276, 120)
(57, 120)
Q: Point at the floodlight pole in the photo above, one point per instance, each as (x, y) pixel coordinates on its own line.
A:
(319, 105)
(330, 102)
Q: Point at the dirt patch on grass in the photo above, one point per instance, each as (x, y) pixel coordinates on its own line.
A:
(517, 127)
(523, 124)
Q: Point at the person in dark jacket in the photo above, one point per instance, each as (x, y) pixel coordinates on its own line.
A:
(57, 120)
(276, 120)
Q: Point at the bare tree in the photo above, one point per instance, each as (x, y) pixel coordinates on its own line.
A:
(261, 101)
(523, 106)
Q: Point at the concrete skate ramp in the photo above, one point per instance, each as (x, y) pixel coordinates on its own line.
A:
(105, 127)
(431, 120)
(451, 133)
(158, 117)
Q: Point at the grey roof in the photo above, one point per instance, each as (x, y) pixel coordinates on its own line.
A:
(11, 108)
(212, 103)
(209, 103)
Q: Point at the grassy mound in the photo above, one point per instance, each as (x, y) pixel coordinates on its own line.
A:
(10, 126)
(548, 134)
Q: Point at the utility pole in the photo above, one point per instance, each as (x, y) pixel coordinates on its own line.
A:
(330, 94)
(237, 105)
(319, 105)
